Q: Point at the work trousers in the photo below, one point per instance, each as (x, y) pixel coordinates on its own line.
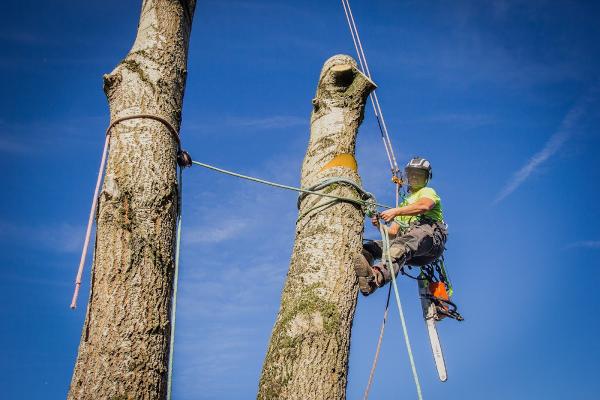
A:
(421, 244)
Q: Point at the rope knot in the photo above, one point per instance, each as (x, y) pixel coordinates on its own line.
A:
(369, 205)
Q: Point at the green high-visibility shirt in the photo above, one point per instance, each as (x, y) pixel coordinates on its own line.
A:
(435, 213)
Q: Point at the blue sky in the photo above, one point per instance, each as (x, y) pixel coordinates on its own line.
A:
(501, 96)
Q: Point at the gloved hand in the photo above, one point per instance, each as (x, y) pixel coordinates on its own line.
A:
(389, 215)
(375, 221)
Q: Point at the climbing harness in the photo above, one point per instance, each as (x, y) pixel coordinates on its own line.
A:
(435, 291)
(366, 202)
(439, 288)
(434, 274)
(397, 180)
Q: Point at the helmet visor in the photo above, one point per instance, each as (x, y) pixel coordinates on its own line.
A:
(417, 177)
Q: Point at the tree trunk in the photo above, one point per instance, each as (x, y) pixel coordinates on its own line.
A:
(308, 352)
(124, 348)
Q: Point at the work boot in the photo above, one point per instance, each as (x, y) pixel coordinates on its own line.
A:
(367, 275)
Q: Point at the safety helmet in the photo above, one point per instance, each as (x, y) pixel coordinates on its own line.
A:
(420, 163)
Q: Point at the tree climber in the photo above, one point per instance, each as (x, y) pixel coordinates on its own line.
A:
(417, 233)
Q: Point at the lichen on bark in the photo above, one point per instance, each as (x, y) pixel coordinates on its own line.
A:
(308, 351)
(123, 353)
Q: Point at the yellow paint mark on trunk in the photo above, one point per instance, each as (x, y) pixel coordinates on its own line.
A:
(342, 160)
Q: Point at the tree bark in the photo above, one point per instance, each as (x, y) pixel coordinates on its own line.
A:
(308, 352)
(124, 348)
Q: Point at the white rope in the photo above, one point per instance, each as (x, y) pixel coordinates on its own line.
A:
(388, 261)
(378, 348)
(88, 230)
(362, 59)
(355, 28)
(387, 143)
(365, 69)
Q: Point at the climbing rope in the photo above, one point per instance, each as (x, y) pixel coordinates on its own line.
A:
(383, 229)
(378, 348)
(362, 59)
(105, 150)
(175, 281)
(369, 207)
(387, 143)
(88, 230)
(368, 204)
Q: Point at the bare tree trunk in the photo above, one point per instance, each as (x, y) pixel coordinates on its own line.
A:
(308, 352)
(124, 348)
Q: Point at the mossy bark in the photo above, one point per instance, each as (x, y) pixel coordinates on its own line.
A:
(308, 352)
(124, 348)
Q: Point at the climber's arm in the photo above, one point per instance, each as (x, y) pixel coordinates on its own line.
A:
(419, 207)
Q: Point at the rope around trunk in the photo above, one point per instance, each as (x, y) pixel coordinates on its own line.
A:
(386, 249)
(88, 231)
(368, 204)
